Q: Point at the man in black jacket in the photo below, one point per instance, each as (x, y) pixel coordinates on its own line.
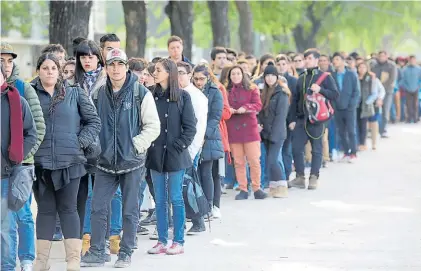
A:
(346, 106)
(130, 123)
(303, 129)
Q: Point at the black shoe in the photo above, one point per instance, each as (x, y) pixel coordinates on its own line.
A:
(242, 195)
(259, 194)
(92, 260)
(196, 229)
(150, 220)
(229, 186)
(142, 230)
(123, 260)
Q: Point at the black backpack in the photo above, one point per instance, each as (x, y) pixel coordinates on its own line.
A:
(194, 199)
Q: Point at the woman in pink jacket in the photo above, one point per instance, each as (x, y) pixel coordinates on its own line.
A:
(243, 130)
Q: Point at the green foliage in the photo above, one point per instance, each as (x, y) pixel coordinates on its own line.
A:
(15, 16)
(345, 25)
(202, 27)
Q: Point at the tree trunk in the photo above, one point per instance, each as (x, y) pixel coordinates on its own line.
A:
(69, 19)
(219, 20)
(246, 26)
(135, 19)
(181, 18)
(304, 40)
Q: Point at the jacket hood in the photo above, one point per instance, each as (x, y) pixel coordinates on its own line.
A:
(15, 74)
(130, 80)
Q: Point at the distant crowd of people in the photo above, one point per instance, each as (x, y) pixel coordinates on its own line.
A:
(96, 129)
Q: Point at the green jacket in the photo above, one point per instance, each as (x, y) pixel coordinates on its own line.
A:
(31, 97)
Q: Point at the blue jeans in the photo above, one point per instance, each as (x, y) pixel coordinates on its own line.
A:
(263, 178)
(7, 262)
(25, 231)
(116, 224)
(287, 154)
(143, 185)
(169, 183)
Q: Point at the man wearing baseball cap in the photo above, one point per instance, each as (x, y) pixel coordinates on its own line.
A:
(130, 123)
(23, 218)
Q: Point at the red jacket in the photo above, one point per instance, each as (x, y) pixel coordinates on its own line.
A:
(226, 115)
(243, 128)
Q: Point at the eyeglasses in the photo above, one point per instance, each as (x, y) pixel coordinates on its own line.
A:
(196, 79)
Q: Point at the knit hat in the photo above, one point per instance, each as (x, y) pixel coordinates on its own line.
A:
(270, 69)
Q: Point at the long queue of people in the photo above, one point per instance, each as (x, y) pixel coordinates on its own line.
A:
(99, 128)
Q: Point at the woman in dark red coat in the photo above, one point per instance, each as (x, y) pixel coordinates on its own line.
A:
(243, 130)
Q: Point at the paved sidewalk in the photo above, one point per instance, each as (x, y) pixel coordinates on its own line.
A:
(364, 216)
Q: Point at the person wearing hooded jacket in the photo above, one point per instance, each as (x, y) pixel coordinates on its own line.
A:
(303, 130)
(125, 137)
(71, 127)
(212, 149)
(272, 119)
(18, 137)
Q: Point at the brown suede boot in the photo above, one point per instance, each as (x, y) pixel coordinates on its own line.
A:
(73, 249)
(43, 253)
(299, 182)
(312, 182)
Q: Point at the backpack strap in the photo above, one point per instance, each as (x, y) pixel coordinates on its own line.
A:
(322, 78)
(20, 85)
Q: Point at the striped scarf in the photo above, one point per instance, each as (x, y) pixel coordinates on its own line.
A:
(90, 78)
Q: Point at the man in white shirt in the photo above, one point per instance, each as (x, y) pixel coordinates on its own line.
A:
(200, 106)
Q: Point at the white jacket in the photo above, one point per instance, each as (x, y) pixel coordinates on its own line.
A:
(200, 106)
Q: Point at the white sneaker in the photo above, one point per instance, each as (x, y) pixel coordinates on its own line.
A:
(154, 235)
(26, 267)
(216, 212)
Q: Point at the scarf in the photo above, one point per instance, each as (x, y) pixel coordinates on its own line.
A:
(90, 78)
(16, 123)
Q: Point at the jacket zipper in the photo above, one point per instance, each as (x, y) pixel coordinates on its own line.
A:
(115, 134)
(53, 137)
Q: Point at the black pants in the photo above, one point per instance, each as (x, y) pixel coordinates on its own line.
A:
(51, 202)
(362, 128)
(346, 123)
(273, 169)
(104, 189)
(150, 183)
(287, 153)
(412, 106)
(206, 179)
(216, 184)
(301, 135)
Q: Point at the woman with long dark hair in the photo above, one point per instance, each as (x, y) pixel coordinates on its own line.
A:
(59, 162)
(243, 131)
(369, 109)
(89, 72)
(275, 98)
(168, 156)
(212, 149)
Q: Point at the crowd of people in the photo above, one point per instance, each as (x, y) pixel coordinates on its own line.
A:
(95, 130)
